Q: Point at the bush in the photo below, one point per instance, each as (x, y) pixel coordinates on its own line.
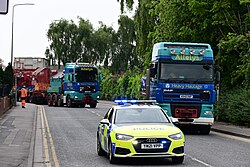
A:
(234, 107)
(126, 85)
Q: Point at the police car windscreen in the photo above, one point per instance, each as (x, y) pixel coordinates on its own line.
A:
(140, 115)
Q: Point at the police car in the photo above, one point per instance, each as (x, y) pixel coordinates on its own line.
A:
(137, 128)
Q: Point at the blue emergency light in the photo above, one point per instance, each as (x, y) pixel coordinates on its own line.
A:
(124, 101)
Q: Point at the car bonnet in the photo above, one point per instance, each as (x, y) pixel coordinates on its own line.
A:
(146, 129)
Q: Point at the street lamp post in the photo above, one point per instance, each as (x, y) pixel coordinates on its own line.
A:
(12, 28)
(12, 37)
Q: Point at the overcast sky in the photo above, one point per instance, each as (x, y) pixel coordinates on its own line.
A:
(31, 22)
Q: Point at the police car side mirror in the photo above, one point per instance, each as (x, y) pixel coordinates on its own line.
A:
(105, 122)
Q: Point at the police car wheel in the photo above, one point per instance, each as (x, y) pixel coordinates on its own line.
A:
(100, 151)
(178, 160)
(112, 159)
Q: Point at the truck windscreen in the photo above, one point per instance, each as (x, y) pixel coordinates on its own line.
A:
(86, 74)
(191, 73)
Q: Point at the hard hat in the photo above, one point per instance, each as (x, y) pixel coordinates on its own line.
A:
(24, 86)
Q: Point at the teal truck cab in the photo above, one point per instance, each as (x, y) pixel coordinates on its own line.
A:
(77, 85)
(181, 80)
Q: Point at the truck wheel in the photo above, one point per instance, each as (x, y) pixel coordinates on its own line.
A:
(54, 100)
(69, 102)
(82, 105)
(93, 105)
(205, 130)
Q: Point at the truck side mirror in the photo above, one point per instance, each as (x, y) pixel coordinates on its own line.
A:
(153, 70)
(217, 80)
(100, 77)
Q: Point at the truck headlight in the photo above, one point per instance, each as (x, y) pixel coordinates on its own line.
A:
(176, 136)
(123, 137)
(208, 113)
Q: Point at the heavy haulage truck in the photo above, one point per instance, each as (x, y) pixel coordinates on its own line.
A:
(77, 85)
(181, 79)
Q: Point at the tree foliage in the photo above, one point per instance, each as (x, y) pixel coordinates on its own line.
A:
(8, 77)
(125, 57)
(70, 42)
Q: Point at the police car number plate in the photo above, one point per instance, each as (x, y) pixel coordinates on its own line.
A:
(152, 146)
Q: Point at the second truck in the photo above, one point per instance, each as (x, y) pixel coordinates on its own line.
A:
(181, 79)
(77, 85)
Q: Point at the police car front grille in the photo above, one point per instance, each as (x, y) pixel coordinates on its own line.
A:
(141, 141)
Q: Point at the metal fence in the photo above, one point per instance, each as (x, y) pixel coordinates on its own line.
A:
(6, 98)
(4, 90)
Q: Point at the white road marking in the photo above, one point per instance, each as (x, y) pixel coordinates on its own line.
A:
(94, 112)
(195, 159)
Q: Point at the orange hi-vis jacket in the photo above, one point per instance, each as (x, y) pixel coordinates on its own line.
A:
(23, 92)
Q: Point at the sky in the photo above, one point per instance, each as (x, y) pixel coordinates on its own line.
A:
(31, 22)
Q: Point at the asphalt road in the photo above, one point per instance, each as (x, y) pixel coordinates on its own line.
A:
(70, 141)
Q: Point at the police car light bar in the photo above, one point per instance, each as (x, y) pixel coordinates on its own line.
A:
(134, 101)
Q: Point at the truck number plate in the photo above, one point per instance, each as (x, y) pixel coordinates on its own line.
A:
(152, 146)
(186, 96)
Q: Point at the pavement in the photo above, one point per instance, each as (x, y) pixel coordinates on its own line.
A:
(18, 137)
(20, 134)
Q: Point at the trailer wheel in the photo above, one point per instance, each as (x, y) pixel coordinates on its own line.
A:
(59, 101)
(49, 100)
(31, 100)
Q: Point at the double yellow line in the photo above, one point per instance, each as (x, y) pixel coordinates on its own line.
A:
(47, 140)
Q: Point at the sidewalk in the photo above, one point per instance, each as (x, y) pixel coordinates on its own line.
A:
(17, 136)
(231, 129)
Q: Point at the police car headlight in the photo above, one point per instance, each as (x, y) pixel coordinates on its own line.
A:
(176, 136)
(123, 137)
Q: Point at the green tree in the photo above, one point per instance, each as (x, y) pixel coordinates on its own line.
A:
(125, 57)
(70, 42)
(1, 74)
(85, 41)
(104, 44)
(234, 59)
(8, 77)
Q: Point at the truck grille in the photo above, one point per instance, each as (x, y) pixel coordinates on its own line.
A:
(186, 95)
(185, 110)
(87, 89)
